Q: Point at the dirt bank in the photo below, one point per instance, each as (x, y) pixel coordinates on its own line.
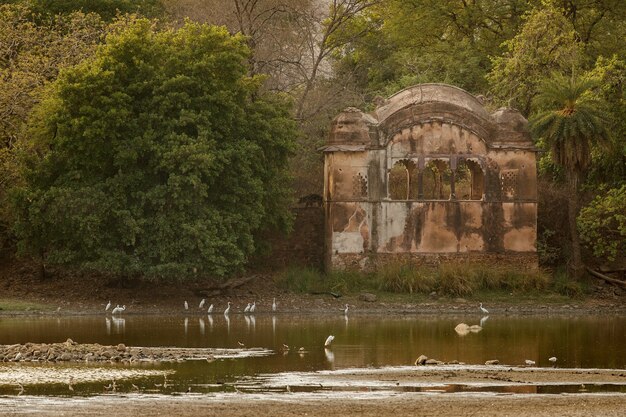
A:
(23, 292)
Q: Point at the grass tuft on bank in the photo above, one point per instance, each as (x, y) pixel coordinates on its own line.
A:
(454, 280)
(8, 304)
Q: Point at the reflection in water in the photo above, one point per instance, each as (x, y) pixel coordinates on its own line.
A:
(186, 324)
(274, 328)
(227, 323)
(330, 357)
(119, 325)
(210, 317)
(201, 323)
(253, 323)
(108, 325)
(483, 320)
(247, 321)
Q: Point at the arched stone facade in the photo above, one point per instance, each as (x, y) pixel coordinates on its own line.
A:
(430, 175)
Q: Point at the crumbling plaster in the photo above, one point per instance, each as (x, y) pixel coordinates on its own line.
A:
(421, 124)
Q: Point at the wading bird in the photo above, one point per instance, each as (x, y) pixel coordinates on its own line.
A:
(247, 309)
(118, 309)
(483, 309)
(227, 309)
(274, 304)
(186, 305)
(329, 340)
(553, 360)
(108, 306)
(345, 311)
(202, 303)
(210, 310)
(253, 307)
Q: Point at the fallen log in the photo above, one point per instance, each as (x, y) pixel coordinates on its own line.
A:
(610, 280)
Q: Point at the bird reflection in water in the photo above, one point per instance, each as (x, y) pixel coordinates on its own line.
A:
(108, 324)
(119, 325)
(186, 325)
(274, 326)
(227, 323)
(330, 357)
(210, 317)
(201, 323)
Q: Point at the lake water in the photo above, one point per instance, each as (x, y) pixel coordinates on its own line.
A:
(360, 341)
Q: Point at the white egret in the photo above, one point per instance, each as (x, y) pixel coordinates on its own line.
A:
(329, 340)
(118, 309)
(247, 309)
(241, 344)
(529, 362)
(553, 360)
(253, 307)
(227, 311)
(210, 310)
(274, 304)
(108, 306)
(186, 305)
(202, 303)
(345, 311)
(483, 309)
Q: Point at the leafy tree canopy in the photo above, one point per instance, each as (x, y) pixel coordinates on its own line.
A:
(107, 9)
(156, 157)
(603, 224)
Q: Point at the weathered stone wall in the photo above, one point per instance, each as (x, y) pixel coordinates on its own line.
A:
(429, 172)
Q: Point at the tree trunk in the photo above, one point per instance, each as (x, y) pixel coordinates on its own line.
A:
(576, 267)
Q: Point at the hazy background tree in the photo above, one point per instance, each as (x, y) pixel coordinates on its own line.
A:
(293, 44)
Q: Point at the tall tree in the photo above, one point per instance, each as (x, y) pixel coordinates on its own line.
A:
(570, 122)
(156, 157)
(31, 56)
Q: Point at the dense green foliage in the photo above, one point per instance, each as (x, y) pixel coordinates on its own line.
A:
(603, 224)
(157, 157)
(107, 9)
(31, 56)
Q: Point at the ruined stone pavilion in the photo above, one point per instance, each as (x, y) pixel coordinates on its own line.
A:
(430, 176)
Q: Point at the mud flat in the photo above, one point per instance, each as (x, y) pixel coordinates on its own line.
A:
(321, 405)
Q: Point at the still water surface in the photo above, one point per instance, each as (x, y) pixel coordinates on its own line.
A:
(360, 341)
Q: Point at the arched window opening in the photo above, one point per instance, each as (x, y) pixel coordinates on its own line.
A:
(403, 184)
(468, 180)
(437, 179)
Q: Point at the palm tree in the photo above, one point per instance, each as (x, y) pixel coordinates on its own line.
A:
(570, 122)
